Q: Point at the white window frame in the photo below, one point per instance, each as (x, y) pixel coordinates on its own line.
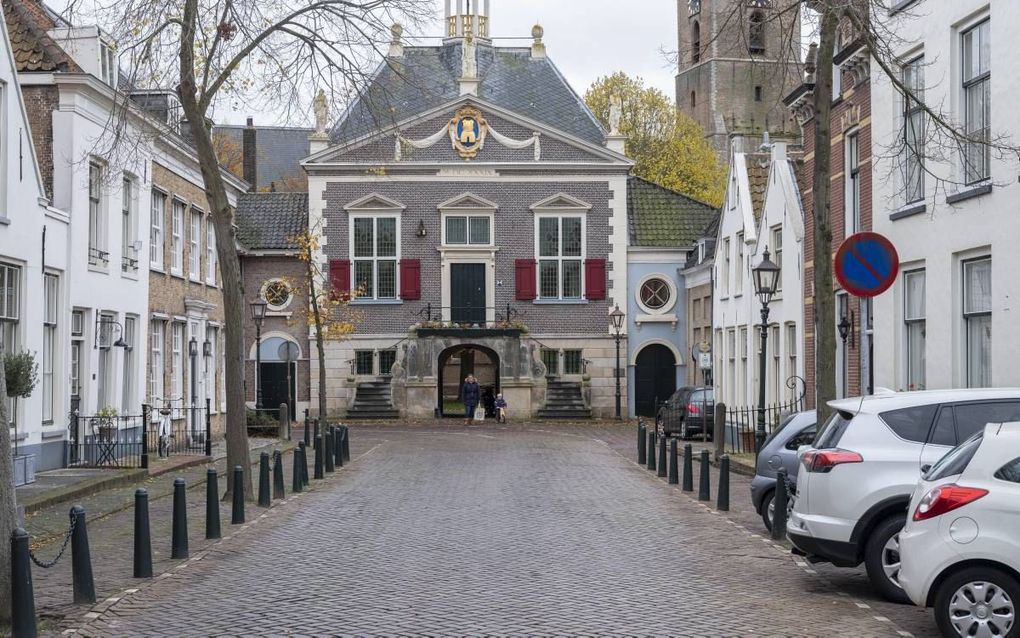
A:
(157, 230)
(738, 275)
(468, 217)
(98, 256)
(129, 376)
(177, 361)
(108, 63)
(978, 315)
(373, 295)
(777, 254)
(851, 183)
(157, 358)
(195, 244)
(51, 344)
(912, 76)
(725, 275)
(560, 258)
(914, 379)
(129, 223)
(211, 366)
(75, 365)
(210, 251)
(177, 209)
(791, 359)
(975, 172)
(106, 395)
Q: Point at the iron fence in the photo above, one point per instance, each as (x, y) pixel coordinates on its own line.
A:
(107, 441)
(179, 429)
(741, 424)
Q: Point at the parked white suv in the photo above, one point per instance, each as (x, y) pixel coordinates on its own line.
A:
(858, 476)
(960, 548)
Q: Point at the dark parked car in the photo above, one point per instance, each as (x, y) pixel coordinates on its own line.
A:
(780, 450)
(687, 413)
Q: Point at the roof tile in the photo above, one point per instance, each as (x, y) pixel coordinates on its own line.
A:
(271, 221)
(662, 218)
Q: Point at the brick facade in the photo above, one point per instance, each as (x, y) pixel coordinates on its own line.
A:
(174, 298)
(851, 114)
(40, 103)
(699, 326)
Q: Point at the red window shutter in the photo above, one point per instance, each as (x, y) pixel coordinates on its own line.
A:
(340, 276)
(524, 270)
(410, 279)
(595, 277)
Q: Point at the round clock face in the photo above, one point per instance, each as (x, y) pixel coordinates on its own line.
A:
(694, 6)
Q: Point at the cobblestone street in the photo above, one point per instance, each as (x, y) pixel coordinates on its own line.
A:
(544, 531)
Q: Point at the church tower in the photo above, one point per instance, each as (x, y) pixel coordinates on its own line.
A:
(467, 16)
(738, 59)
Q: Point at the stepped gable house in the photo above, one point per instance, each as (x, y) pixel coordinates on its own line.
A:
(479, 211)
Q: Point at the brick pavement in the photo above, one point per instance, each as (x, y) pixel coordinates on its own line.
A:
(536, 531)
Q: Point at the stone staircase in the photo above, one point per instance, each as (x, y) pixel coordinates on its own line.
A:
(563, 400)
(373, 400)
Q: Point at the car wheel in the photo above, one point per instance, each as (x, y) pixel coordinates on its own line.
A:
(768, 509)
(978, 601)
(882, 559)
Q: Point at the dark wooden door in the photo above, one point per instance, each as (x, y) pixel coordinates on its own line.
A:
(654, 378)
(467, 293)
(274, 387)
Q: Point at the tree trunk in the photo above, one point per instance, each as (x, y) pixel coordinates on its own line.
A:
(8, 507)
(226, 250)
(824, 302)
(319, 341)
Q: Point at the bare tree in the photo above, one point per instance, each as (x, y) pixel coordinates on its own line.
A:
(8, 502)
(272, 55)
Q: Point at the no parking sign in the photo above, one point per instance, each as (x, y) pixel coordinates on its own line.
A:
(866, 264)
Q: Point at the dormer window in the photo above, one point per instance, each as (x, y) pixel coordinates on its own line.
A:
(108, 63)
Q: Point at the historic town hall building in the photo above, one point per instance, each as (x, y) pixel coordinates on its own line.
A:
(479, 211)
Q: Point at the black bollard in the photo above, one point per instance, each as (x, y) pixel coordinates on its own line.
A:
(22, 596)
(143, 542)
(651, 450)
(278, 488)
(722, 503)
(298, 480)
(212, 505)
(688, 480)
(81, 559)
(704, 489)
(674, 471)
(179, 531)
(308, 430)
(642, 449)
(264, 496)
(304, 463)
(346, 448)
(662, 457)
(319, 468)
(781, 501)
(338, 447)
(237, 512)
(327, 451)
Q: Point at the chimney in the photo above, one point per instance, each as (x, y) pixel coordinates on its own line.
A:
(249, 167)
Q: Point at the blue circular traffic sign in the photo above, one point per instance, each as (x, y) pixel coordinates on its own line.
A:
(866, 264)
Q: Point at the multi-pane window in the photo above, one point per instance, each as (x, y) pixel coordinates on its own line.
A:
(726, 267)
(777, 253)
(387, 359)
(551, 360)
(129, 256)
(738, 274)
(157, 215)
(10, 305)
(741, 381)
(104, 376)
(913, 130)
(363, 362)
(177, 361)
(210, 252)
(212, 367)
(852, 214)
(195, 254)
(791, 359)
(157, 340)
(127, 396)
(977, 319)
(108, 64)
(976, 56)
(775, 372)
(560, 253)
(914, 324)
(97, 243)
(177, 237)
(656, 294)
(77, 344)
(573, 362)
(49, 354)
(731, 371)
(375, 257)
(461, 230)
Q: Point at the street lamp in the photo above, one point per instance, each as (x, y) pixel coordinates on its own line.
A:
(616, 317)
(258, 315)
(844, 328)
(766, 278)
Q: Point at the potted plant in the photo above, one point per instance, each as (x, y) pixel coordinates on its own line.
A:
(22, 374)
(103, 423)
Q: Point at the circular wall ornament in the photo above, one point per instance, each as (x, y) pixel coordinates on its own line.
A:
(277, 293)
(656, 294)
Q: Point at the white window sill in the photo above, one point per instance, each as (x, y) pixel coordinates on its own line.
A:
(561, 302)
(377, 302)
(132, 275)
(670, 318)
(104, 270)
(278, 313)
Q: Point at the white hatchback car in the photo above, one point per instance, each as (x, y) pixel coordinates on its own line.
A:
(961, 547)
(857, 477)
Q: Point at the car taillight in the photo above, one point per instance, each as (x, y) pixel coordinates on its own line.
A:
(946, 499)
(693, 409)
(823, 461)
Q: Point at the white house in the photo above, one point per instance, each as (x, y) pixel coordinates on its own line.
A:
(34, 287)
(951, 213)
(762, 211)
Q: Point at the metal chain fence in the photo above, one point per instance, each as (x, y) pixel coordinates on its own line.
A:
(60, 554)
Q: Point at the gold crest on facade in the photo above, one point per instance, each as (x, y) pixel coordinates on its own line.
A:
(467, 131)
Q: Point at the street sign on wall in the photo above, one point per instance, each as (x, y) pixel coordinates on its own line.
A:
(866, 264)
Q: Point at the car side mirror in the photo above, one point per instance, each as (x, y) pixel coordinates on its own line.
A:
(925, 468)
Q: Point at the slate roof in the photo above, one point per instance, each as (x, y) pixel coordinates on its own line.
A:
(34, 50)
(663, 218)
(758, 180)
(426, 78)
(278, 151)
(269, 221)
